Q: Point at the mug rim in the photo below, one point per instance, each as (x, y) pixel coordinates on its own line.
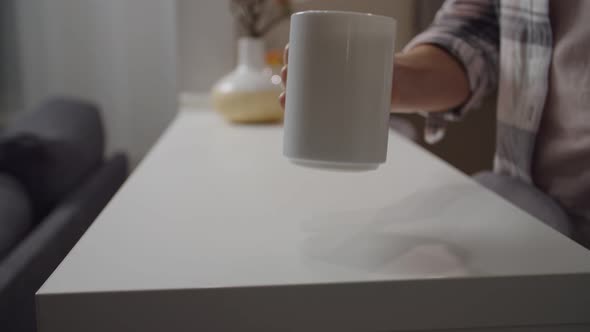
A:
(343, 13)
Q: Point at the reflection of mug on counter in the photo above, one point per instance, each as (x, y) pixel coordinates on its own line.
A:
(339, 89)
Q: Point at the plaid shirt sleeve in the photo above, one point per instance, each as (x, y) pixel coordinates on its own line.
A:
(468, 30)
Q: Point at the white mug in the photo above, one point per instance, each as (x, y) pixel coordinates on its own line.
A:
(339, 89)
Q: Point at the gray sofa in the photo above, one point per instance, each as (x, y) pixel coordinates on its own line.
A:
(54, 181)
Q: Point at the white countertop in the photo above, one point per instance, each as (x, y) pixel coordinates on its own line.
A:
(217, 206)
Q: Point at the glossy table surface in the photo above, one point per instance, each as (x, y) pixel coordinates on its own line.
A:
(215, 229)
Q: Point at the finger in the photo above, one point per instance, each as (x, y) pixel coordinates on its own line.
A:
(282, 99)
(284, 76)
(286, 54)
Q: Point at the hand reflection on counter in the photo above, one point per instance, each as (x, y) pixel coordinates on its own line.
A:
(400, 239)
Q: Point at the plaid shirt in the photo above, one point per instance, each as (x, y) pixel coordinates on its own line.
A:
(504, 45)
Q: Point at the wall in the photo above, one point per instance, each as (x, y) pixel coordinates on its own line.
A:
(206, 43)
(10, 85)
(119, 53)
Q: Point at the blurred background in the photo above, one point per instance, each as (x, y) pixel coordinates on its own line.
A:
(136, 57)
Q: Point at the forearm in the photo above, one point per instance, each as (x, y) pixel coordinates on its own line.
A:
(427, 78)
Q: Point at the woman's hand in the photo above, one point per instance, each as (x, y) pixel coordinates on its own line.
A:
(427, 78)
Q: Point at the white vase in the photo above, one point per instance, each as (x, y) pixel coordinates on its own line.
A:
(249, 94)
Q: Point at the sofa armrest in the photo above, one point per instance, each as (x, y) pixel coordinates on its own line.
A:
(65, 119)
(52, 149)
(27, 267)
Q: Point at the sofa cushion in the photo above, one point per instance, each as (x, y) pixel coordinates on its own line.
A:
(15, 213)
(51, 150)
